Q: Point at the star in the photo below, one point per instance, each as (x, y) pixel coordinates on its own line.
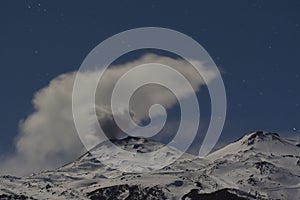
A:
(260, 92)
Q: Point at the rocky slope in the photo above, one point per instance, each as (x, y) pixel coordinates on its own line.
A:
(258, 166)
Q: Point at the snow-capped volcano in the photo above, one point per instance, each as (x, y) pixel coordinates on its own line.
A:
(260, 142)
(258, 166)
(260, 162)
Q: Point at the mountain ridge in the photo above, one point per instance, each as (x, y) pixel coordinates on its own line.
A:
(260, 165)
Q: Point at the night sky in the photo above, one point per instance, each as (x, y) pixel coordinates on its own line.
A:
(256, 44)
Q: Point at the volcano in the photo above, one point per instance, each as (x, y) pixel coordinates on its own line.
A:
(260, 165)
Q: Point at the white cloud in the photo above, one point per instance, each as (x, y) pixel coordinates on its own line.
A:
(48, 137)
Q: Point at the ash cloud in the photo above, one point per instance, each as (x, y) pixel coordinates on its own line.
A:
(48, 139)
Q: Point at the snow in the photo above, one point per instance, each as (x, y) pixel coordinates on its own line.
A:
(259, 165)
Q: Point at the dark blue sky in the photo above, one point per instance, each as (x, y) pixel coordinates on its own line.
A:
(255, 43)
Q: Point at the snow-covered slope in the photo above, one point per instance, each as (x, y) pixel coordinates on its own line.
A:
(260, 163)
(258, 166)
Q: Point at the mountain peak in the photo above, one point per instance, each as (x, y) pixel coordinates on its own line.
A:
(257, 164)
(260, 136)
(130, 154)
(258, 142)
(133, 144)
